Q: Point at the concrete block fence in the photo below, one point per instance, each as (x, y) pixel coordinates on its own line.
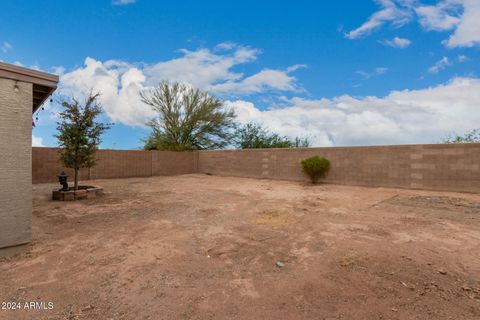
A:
(443, 167)
(114, 164)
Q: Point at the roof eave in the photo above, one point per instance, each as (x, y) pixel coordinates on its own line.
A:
(39, 78)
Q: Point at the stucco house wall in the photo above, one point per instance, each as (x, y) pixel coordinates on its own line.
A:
(22, 91)
(15, 162)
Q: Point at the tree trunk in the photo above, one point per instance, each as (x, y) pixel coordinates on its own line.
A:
(75, 186)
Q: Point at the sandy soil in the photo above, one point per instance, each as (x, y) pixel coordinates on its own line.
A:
(205, 247)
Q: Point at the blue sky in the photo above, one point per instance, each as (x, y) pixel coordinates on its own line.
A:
(342, 72)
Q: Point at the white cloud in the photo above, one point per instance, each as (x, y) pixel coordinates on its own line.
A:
(462, 58)
(5, 46)
(440, 17)
(228, 45)
(120, 82)
(460, 16)
(122, 2)
(467, 33)
(390, 12)
(409, 116)
(201, 68)
(37, 141)
(119, 87)
(376, 72)
(267, 79)
(440, 65)
(397, 43)
(58, 70)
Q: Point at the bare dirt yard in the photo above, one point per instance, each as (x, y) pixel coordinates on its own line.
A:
(206, 247)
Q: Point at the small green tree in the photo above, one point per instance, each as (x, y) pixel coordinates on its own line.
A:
(315, 167)
(255, 136)
(301, 142)
(187, 119)
(79, 134)
(472, 136)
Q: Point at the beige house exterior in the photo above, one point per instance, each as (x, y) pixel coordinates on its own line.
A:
(22, 92)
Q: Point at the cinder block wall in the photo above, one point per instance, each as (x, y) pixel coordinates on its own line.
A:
(121, 164)
(114, 164)
(452, 167)
(15, 163)
(165, 163)
(46, 165)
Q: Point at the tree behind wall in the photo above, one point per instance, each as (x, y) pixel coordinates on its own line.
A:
(472, 136)
(255, 136)
(187, 119)
(79, 134)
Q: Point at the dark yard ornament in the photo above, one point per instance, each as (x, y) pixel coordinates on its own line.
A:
(62, 179)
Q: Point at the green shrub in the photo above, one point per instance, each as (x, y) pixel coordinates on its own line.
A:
(315, 167)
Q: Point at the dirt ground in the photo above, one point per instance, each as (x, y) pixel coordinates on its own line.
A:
(206, 247)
